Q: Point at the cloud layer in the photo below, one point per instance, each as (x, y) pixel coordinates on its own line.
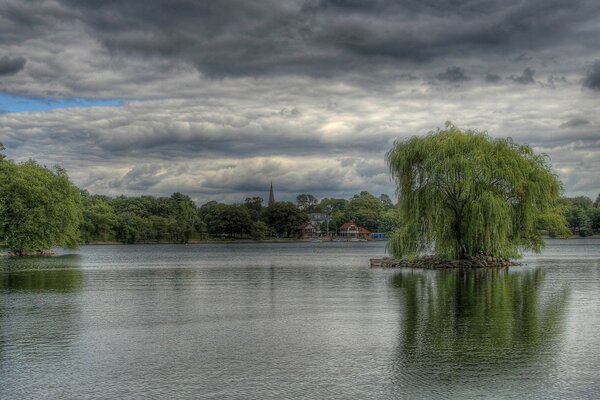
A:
(223, 97)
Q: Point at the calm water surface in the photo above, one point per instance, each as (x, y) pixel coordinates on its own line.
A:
(298, 320)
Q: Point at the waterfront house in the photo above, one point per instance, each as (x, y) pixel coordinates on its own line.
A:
(308, 230)
(350, 230)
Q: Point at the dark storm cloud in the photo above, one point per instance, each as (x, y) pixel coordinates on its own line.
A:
(141, 177)
(9, 66)
(492, 78)
(575, 122)
(453, 74)
(592, 80)
(526, 78)
(315, 38)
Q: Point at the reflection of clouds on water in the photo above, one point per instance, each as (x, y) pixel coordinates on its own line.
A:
(478, 323)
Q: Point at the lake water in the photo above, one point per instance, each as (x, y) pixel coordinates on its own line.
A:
(296, 320)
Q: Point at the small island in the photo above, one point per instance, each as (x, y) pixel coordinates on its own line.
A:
(469, 200)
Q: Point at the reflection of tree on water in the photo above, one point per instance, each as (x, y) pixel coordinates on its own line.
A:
(40, 274)
(461, 317)
(55, 280)
(39, 306)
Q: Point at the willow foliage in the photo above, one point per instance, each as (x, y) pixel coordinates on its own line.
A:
(463, 193)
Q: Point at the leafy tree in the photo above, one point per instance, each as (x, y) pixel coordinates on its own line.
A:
(39, 208)
(99, 220)
(463, 193)
(338, 218)
(331, 205)
(365, 210)
(133, 228)
(187, 220)
(386, 201)
(579, 221)
(259, 230)
(578, 202)
(284, 218)
(390, 221)
(223, 219)
(594, 216)
(254, 205)
(583, 218)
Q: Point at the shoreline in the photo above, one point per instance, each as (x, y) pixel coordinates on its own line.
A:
(432, 262)
(229, 241)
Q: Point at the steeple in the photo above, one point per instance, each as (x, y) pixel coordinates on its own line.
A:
(271, 196)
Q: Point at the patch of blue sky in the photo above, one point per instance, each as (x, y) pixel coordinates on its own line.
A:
(10, 103)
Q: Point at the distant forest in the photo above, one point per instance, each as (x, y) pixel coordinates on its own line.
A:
(178, 219)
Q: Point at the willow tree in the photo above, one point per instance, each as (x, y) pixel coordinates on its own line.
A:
(463, 193)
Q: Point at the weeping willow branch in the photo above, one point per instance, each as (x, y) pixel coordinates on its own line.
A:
(463, 193)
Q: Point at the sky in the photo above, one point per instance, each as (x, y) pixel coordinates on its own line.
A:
(218, 99)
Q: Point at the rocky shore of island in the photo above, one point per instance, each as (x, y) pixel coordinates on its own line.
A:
(432, 262)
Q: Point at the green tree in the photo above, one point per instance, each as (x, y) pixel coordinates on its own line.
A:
(99, 220)
(579, 221)
(463, 193)
(365, 210)
(284, 218)
(39, 208)
(390, 221)
(594, 216)
(386, 201)
(332, 205)
(578, 202)
(259, 230)
(224, 219)
(186, 217)
(254, 205)
(338, 218)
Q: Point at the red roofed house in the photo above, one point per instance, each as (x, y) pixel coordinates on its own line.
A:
(307, 230)
(350, 230)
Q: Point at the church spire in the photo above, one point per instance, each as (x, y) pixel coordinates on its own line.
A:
(271, 196)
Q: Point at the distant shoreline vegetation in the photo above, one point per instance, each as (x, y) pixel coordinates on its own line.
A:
(40, 208)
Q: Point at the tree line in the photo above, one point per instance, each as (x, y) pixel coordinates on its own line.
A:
(177, 219)
(41, 208)
(582, 215)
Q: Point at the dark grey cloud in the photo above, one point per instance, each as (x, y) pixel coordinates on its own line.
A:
(140, 177)
(592, 80)
(307, 37)
(10, 66)
(575, 122)
(492, 78)
(526, 78)
(453, 74)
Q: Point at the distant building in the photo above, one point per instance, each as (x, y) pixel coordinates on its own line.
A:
(308, 230)
(350, 230)
(271, 196)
